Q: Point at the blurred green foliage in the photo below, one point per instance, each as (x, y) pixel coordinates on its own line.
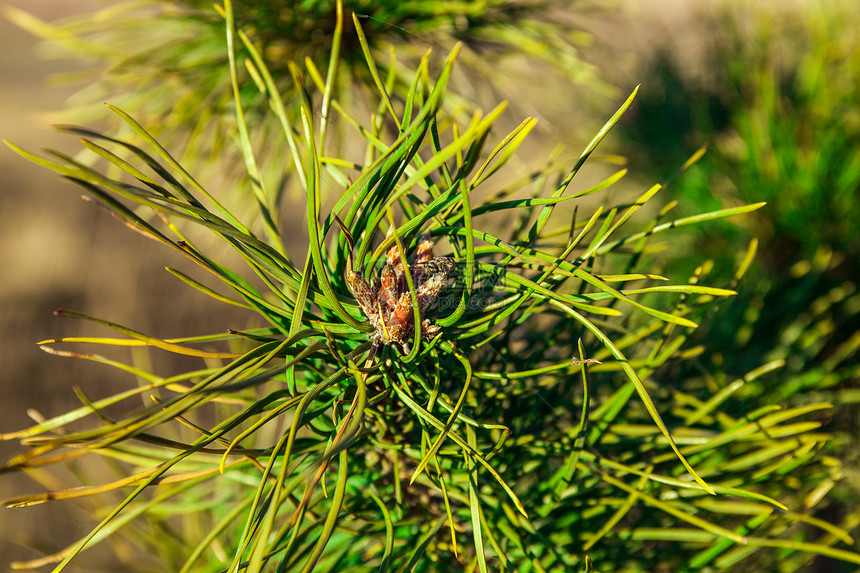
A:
(166, 59)
(777, 96)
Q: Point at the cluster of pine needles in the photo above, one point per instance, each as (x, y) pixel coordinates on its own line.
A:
(539, 428)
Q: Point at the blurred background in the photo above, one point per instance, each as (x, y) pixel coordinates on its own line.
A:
(772, 90)
(57, 251)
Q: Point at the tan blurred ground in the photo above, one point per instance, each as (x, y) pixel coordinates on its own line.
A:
(43, 259)
(56, 251)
